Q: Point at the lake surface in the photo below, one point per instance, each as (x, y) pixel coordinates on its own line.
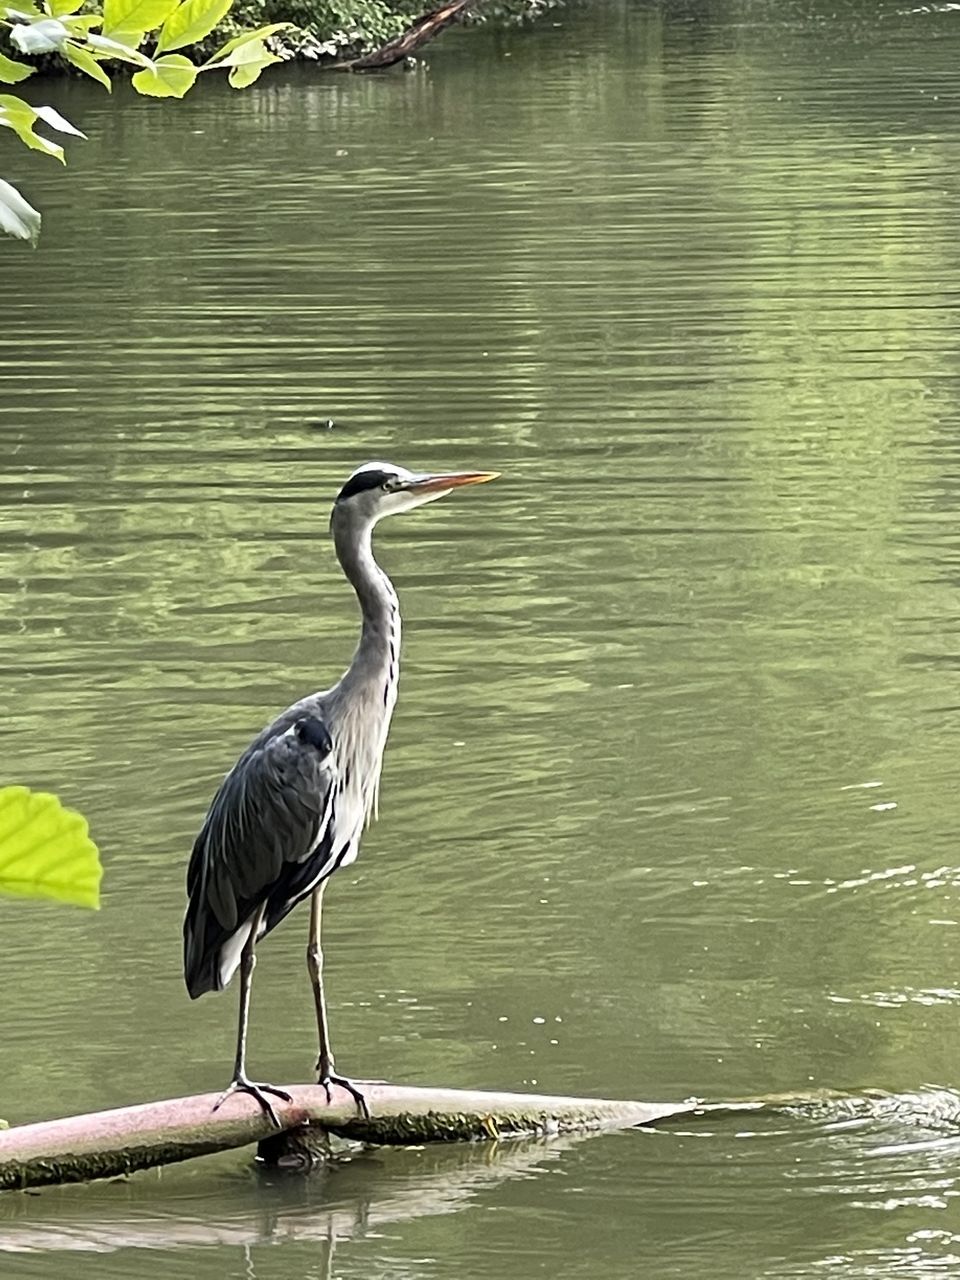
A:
(670, 801)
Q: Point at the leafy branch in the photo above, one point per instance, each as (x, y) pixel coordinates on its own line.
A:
(90, 39)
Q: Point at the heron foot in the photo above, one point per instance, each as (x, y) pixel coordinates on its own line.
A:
(326, 1077)
(240, 1084)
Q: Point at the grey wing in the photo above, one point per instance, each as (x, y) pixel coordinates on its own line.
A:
(265, 835)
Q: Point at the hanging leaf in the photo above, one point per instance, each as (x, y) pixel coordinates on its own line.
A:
(80, 24)
(116, 49)
(52, 117)
(245, 37)
(247, 62)
(19, 116)
(190, 22)
(17, 217)
(24, 13)
(129, 20)
(131, 37)
(170, 77)
(87, 63)
(46, 36)
(45, 850)
(12, 72)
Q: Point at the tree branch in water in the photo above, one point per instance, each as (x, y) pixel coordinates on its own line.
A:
(402, 46)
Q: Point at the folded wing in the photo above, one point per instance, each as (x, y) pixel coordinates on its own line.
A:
(266, 840)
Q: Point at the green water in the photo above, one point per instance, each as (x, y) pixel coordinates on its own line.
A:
(669, 804)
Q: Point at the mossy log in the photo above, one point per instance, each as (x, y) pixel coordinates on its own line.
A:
(110, 1143)
(113, 1143)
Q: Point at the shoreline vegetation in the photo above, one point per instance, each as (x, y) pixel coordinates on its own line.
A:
(345, 35)
(360, 36)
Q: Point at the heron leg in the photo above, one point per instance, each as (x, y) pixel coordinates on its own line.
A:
(241, 1082)
(325, 1071)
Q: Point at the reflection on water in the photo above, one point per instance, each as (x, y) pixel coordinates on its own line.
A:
(667, 806)
(355, 1198)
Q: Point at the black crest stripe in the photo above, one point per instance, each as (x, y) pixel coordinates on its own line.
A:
(362, 481)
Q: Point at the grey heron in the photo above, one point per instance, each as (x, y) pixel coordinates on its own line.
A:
(291, 810)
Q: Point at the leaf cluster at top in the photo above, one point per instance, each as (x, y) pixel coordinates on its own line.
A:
(147, 34)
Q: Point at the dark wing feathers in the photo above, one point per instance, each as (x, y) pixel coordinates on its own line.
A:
(264, 835)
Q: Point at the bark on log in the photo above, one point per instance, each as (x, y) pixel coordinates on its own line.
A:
(110, 1143)
(402, 46)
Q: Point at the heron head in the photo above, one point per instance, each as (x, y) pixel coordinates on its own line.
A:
(379, 489)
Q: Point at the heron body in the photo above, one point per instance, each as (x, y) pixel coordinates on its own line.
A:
(292, 809)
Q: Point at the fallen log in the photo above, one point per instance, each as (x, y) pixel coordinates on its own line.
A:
(425, 27)
(106, 1144)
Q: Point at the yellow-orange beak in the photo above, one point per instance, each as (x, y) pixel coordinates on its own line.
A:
(451, 480)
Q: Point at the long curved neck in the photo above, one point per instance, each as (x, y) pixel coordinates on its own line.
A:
(378, 652)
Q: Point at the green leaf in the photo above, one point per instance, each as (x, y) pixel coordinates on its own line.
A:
(116, 49)
(45, 851)
(247, 63)
(46, 36)
(80, 24)
(87, 63)
(62, 8)
(19, 116)
(24, 13)
(245, 37)
(128, 36)
(169, 77)
(129, 20)
(190, 22)
(9, 102)
(17, 217)
(12, 72)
